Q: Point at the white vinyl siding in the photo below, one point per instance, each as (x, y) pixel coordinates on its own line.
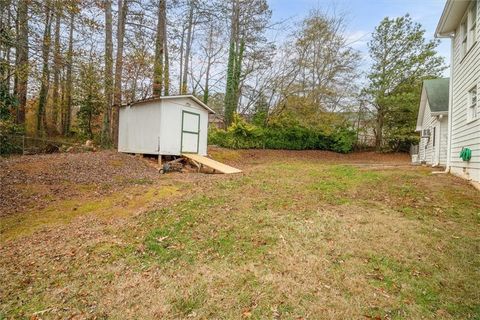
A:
(426, 144)
(426, 149)
(465, 133)
(443, 141)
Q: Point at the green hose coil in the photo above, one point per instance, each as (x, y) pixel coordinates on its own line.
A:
(466, 154)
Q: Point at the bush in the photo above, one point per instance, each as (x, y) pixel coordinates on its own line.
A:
(343, 140)
(400, 139)
(282, 135)
(9, 137)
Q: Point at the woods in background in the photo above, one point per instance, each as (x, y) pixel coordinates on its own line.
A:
(67, 65)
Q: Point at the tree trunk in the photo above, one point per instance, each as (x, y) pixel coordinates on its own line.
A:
(159, 50)
(379, 130)
(21, 60)
(56, 68)
(117, 95)
(188, 48)
(45, 80)
(68, 85)
(108, 76)
(206, 93)
(209, 65)
(231, 67)
(6, 47)
(166, 67)
(182, 49)
(237, 74)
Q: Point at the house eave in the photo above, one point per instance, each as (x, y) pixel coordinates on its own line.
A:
(421, 111)
(452, 15)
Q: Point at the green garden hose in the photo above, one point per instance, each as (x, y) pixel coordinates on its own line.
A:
(466, 154)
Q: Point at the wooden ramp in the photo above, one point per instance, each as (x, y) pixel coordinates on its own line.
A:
(215, 165)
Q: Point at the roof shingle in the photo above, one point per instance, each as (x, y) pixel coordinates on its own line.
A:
(437, 94)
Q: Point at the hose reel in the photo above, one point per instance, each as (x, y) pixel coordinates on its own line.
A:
(466, 154)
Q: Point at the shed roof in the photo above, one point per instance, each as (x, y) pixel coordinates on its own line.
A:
(159, 98)
(437, 94)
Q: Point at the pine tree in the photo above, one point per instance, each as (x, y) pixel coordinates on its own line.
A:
(402, 58)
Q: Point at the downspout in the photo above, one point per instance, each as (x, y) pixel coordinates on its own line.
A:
(438, 150)
(450, 103)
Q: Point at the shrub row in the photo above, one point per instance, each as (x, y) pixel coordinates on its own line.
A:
(241, 135)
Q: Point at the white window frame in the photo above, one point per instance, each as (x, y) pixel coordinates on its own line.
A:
(472, 27)
(473, 112)
(464, 35)
(469, 28)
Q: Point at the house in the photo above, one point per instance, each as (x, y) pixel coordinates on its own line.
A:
(216, 121)
(361, 121)
(170, 125)
(460, 22)
(432, 123)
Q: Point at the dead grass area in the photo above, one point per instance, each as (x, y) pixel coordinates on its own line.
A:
(298, 235)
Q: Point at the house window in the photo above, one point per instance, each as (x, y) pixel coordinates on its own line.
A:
(473, 113)
(473, 23)
(464, 38)
(468, 28)
(434, 135)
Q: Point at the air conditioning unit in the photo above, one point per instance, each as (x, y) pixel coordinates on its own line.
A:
(426, 133)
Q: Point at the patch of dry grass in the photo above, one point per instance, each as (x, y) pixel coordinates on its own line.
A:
(128, 202)
(288, 239)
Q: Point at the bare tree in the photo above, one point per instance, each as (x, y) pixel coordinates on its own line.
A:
(68, 101)
(108, 72)
(160, 44)
(166, 68)
(21, 60)
(45, 80)
(117, 96)
(57, 60)
(188, 46)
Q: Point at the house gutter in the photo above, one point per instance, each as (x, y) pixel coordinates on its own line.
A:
(446, 12)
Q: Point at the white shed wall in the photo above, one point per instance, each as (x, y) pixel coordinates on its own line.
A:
(171, 126)
(466, 73)
(139, 128)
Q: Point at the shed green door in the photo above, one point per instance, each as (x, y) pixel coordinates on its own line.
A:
(190, 132)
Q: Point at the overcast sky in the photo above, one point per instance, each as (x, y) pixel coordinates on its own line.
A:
(364, 15)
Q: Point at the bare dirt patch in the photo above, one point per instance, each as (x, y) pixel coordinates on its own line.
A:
(33, 182)
(249, 157)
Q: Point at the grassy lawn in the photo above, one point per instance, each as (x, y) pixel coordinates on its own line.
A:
(290, 238)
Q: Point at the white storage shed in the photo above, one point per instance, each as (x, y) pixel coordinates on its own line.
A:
(170, 125)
